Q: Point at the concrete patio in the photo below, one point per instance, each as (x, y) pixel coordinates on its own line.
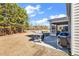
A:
(52, 41)
(48, 41)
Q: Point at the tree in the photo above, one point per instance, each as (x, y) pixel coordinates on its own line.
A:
(13, 15)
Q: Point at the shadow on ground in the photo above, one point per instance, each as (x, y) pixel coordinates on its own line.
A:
(31, 36)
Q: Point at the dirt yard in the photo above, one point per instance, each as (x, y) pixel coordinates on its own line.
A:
(19, 45)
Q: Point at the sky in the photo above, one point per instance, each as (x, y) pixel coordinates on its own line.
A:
(40, 13)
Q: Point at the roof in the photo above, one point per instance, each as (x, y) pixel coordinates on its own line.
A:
(59, 20)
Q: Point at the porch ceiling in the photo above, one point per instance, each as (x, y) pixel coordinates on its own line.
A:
(60, 23)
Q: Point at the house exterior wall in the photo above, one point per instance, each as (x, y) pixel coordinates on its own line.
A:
(75, 29)
(57, 24)
(52, 29)
(61, 27)
(73, 16)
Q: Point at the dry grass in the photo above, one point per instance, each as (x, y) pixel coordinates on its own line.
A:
(18, 44)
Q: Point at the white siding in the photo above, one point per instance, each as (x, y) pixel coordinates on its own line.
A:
(75, 29)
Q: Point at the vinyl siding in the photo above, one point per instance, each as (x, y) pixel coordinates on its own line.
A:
(75, 29)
